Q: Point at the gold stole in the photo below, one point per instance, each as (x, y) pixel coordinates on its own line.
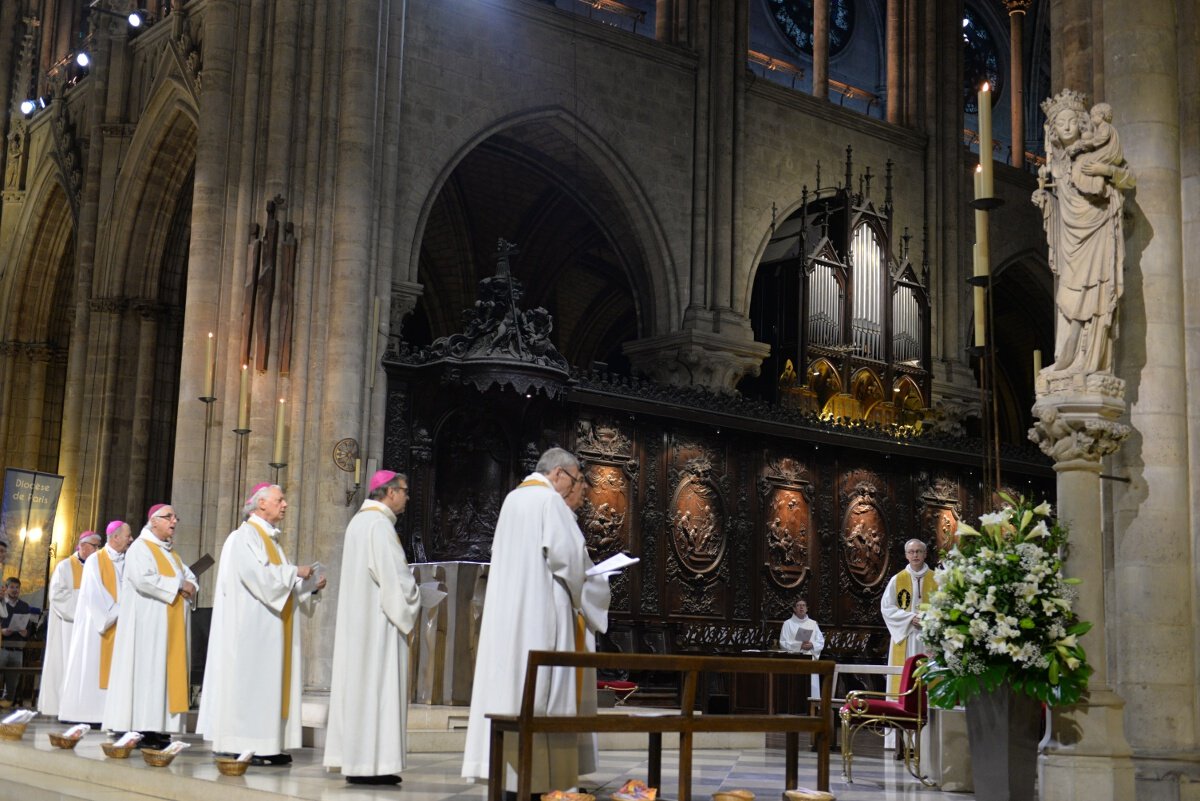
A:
(177, 673)
(108, 577)
(288, 609)
(533, 482)
(76, 570)
(904, 599)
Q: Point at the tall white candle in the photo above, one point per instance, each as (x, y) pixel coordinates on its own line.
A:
(982, 261)
(985, 137)
(210, 363)
(244, 400)
(279, 422)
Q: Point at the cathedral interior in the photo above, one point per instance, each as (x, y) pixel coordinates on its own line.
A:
(718, 248)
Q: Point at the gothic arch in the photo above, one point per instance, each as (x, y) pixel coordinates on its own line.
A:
(34, 286)
(577, 161)
(156, 169)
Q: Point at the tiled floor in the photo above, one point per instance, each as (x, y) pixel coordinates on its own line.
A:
(37, 772)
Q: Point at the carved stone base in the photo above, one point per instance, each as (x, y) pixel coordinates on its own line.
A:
(716, 361)
(1076, 417)
(1089, 758)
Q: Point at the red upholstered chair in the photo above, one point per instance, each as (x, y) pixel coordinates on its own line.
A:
(906, 712)
(621, 690)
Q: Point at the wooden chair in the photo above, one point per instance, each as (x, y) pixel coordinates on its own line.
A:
(906, 712)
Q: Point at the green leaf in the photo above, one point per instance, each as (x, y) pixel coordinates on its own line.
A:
(1054, 671)
(1026, 623)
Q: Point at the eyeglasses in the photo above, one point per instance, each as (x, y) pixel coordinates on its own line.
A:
(169, 517)
(575, 479)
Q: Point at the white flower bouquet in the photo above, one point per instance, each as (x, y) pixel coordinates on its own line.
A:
(1001, 614)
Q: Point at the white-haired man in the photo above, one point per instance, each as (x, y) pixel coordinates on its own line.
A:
(89, 658)
(252, 678)
(539, 598)
(148, 687)
(63, 594)
(900, 607)
(377, 608)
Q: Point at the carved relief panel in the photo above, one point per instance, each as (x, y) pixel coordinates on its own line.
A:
(696, 526)
(789, 541)
(472, 475)
(605, 517)
(863, 542)
(941, 512)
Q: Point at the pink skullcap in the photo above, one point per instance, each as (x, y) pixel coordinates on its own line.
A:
(154, 509)
(257, 489)
(89, 536)
(116, 524)
(380, 478)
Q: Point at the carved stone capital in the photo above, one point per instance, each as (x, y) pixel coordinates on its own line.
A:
(698, 358)
(1076, 418)
(108, 305)
(1017, 6)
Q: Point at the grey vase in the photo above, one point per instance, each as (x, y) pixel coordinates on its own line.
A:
(1003, 729)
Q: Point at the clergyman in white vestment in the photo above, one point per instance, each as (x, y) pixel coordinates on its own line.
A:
(252, 678)
(148, 690)
(537, 584)
(900, 607)
(378, 604)
(63, 594)
(801, 635)
(89, 658)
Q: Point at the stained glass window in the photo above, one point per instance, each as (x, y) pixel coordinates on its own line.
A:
(981, 61)
(795, 21)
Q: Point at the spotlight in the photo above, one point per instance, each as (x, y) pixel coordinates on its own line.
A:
(27, 107)
(135, 19)
(82, 58)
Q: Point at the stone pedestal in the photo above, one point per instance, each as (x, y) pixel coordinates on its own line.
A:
(1077, 424)
(714, 354)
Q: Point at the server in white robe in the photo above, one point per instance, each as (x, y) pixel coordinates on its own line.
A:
(89, 658)
(802, 635)
(537, 584)
(252, 677)
(148, 690)
(378, 604)
(63, 595)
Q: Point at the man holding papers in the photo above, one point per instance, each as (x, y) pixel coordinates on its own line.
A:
(148, 688)
(801, 634)
(252, 679)
(539, 598)
(377, 608)
(16, 623)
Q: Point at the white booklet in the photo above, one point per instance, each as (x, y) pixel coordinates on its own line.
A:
(618, 561)
(18, 623)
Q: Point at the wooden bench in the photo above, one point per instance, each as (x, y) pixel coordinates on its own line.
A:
(686, 723)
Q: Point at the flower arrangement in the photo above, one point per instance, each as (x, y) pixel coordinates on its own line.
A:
(1002, 612)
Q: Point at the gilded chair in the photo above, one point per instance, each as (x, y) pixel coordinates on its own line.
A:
(906, 712)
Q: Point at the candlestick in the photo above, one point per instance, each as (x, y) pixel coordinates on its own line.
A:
(279, 420)
(985, 137)
(357, 472)
(210, 362)
(1037, 364)
(244, 400)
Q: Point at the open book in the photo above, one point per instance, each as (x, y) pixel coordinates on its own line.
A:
(612, 564)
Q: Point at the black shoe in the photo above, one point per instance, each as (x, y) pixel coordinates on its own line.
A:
(271, 760)
(155, 741)
(224, 755)
(386, 779)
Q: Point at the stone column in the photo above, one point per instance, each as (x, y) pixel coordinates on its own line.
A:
(820, 76)
(1076, 424)
(1071, 44)
(1155, 647)
(895, 86)
(207, 254)
(1016, 77)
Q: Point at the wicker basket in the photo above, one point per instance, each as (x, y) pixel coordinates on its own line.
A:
(59, 741)
(156, 759)
(12, 731)
(808, 795)
(734, 795)
(115, 751)
(231, 767)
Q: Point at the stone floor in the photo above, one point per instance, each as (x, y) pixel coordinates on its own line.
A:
(35, 771)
